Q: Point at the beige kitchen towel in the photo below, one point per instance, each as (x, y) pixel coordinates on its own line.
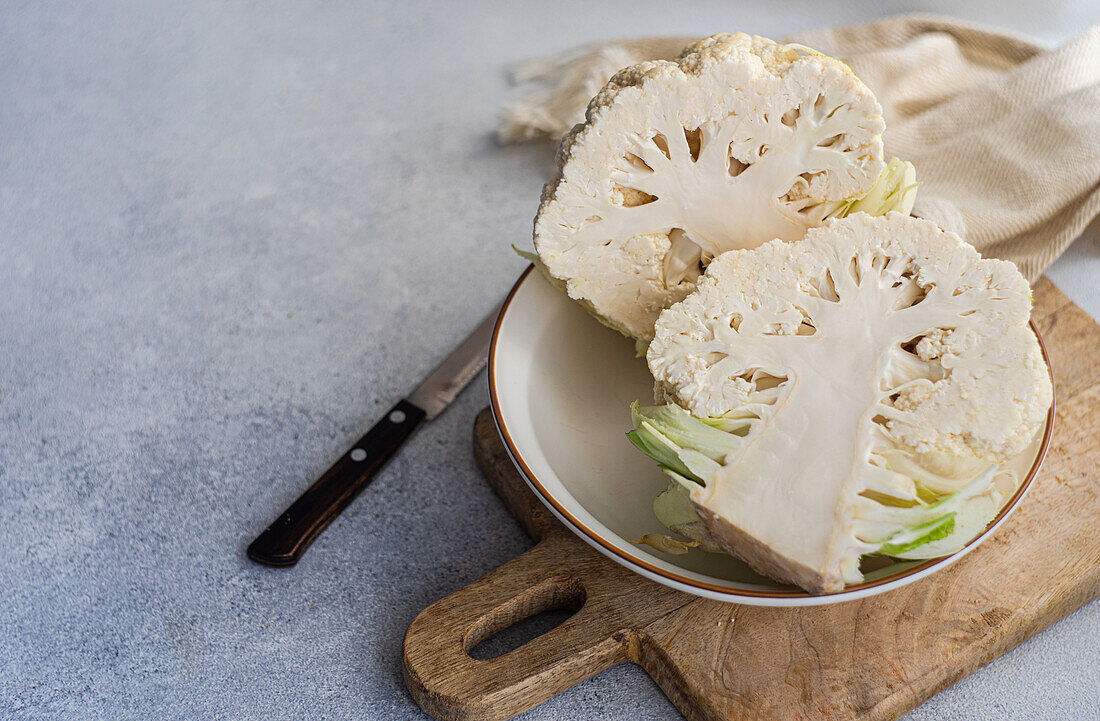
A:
(1004, 134)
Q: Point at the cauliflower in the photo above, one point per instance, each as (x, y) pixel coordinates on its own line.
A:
(739, 141)
(849, 394)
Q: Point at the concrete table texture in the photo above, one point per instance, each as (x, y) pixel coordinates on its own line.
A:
(233, 233)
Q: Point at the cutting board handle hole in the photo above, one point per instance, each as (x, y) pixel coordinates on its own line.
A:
(524, 617)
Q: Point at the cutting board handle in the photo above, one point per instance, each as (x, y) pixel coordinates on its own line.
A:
(451, 685)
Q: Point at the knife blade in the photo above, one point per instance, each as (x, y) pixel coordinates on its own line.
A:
(284, 542)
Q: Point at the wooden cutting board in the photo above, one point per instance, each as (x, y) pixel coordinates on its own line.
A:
(869, 659)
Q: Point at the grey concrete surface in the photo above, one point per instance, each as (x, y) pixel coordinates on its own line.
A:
(233, 233)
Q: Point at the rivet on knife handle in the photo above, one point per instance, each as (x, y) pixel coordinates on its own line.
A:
(285, 540)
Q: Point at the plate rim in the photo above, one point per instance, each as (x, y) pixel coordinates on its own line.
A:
(797, 597)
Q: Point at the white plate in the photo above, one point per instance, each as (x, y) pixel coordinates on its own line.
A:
(561, 386)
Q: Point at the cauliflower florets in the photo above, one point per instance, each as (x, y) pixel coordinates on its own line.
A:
(739, 141)
(877, 374)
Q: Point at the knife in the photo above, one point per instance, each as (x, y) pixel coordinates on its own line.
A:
(285, 540)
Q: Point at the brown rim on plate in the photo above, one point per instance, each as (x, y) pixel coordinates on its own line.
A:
(631, 560)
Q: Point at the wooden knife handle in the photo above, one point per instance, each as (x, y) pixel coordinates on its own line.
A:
(449, 684)
(285, 540)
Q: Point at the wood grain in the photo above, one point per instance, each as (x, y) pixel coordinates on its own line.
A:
(870, 660)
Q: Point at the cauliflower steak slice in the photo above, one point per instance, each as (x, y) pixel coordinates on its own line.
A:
(738, 141)
(852, 393)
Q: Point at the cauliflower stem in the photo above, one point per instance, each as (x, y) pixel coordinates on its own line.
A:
(691, 450)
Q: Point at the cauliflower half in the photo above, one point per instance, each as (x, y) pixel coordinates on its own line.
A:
(849, 394)
(739, 141)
